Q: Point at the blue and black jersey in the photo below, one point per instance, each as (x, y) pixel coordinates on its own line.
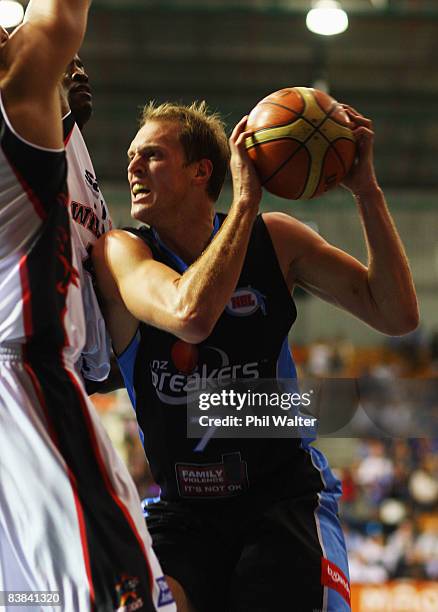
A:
(249, 341)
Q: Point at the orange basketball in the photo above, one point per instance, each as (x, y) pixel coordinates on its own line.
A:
(302, 144)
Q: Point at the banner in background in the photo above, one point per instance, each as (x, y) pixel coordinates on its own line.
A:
(402, 596)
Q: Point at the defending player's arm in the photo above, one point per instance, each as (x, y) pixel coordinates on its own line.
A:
(50, 36)
(187, 305)
(382, 293)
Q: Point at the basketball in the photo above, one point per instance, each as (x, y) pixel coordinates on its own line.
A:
(302, 144)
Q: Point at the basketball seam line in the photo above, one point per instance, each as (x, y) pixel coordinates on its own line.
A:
(291, 110)
(299, 116)
(315, 128)
(270, 127)
(302, 145)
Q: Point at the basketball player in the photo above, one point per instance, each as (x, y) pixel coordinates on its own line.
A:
(69, 512)
(77, 92)
(91, 218)
(248, 525)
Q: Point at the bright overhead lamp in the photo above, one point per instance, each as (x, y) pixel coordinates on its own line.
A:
(11, 13)
(327, 18)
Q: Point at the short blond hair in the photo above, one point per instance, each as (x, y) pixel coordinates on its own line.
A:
(202, 136)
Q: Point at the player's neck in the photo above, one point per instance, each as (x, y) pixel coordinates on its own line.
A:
(189, 236)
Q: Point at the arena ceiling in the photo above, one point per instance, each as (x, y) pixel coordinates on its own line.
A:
(234, 53)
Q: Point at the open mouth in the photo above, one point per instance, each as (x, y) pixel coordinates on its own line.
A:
(81, 89)
(138, 188)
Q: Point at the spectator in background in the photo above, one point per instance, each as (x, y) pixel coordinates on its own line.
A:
(375, 472)
(366, 562)
(425, 552)
(423, 484)
(319, 359)
(398, 549)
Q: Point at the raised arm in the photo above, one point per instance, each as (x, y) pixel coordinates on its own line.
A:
(382, 293)
(135, 287)
(34, 59)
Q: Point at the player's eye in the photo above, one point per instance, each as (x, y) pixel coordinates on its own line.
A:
(150, 154)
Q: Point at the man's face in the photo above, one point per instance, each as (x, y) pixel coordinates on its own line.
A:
(158, 174)
(78, 91)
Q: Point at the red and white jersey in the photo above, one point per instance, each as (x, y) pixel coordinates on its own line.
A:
(70, 517)
(40, 297)
(91, 219)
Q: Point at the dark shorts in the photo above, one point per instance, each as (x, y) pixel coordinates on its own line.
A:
(233, 558)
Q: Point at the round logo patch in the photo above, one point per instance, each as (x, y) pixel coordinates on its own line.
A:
(245, 301)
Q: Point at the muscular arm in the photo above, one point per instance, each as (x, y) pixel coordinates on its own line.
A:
(135, 287)
(186, 305)
(34, 59)
(382, 293)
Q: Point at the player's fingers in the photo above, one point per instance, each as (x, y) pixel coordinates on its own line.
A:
(362, 133)
(360, 120)
(351, 109)
(356, 116)
(243, 136)
(238, 129)
(364, 140)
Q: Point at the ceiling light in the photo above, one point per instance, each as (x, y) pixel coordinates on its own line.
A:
(11, 13)
(327, 18)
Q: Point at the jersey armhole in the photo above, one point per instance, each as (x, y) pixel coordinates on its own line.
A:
(126, 361)
(275, 262)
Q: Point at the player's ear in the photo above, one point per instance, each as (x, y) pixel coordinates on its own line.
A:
(204, 168)
(4, 36)
(4, 39)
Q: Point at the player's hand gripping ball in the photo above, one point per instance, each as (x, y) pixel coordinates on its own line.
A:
(302, 143)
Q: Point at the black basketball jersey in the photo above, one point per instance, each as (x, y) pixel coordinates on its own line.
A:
(249, 341)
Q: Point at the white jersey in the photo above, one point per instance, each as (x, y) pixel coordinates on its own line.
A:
(33, 204)
(70, 515)
(91, 219)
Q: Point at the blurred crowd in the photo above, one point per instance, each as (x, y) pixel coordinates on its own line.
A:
(389, 506)
(414, 355)
(389, 510)
(395, 385)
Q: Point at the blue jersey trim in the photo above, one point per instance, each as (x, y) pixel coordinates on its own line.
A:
(285, 364)
(288, 382)
(332, 487)
(126, 361)
(329, 528)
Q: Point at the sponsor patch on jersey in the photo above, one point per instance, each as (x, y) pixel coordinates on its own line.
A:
(86, 217)
(165, 596)
(245, 301)
(212, 480)
(334, 578)
(128, 598)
